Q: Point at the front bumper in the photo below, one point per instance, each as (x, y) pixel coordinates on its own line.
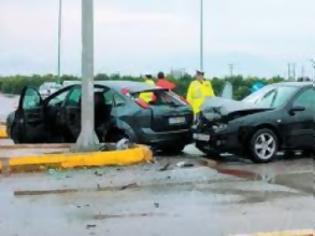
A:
(226, 141)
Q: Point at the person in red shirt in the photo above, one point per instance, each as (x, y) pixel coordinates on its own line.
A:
(164, 83)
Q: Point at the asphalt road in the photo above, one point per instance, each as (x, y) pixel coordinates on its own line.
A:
(177, 195)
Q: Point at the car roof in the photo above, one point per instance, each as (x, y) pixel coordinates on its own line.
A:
(132, 86)
(293, 84)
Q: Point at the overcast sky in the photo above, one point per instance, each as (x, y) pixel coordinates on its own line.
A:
(144, 36)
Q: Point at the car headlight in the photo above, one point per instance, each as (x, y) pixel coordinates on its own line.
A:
(219, 127)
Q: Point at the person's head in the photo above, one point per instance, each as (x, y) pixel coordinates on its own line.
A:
(161, 75)
(148, 76)
(200, 75)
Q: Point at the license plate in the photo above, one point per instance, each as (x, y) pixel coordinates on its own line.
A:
(177, 120)
(201, 137)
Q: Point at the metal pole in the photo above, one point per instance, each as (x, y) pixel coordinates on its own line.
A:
(87, 140)
(231, 66)
(59, 40)
(313, 64)
(201, 35)
(294, 71)
(289, 71)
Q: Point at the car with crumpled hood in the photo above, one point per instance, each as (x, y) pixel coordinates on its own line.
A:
(278, 117)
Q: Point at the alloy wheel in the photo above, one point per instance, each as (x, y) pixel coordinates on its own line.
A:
(265, 146)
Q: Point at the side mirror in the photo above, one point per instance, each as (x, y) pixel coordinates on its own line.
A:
(296, 109)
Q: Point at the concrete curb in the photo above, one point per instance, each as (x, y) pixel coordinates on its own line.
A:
(3, 132)
(136, 155)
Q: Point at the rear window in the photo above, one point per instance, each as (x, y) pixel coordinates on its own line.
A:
(159, 98)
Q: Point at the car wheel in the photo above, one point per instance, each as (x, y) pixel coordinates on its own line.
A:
(114, 136)
(206, 149)
(176, 149)
(15, 135)
(263, 146)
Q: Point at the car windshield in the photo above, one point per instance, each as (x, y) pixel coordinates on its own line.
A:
(271, 97)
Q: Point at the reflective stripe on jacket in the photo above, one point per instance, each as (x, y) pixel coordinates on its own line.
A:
(148, 97)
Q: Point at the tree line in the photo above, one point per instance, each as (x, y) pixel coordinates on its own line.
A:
(241, 85)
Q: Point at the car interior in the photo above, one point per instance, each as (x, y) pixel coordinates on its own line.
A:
(64, 110)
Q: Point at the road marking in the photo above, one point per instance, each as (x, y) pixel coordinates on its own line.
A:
(284, 233)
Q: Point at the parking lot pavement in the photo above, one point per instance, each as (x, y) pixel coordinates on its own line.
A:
(8, 104)
(178, 195)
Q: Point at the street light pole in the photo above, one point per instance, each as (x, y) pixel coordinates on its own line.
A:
(59, 40)
(201, 35)
(87, 140)
(313, 64)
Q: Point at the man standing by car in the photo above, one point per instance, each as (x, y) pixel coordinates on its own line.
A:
(198, 91)
(165, 83)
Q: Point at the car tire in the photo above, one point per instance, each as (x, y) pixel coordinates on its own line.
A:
(211, 154)
(263, 146)
(173, 150)
(15, 135)
(114, 136)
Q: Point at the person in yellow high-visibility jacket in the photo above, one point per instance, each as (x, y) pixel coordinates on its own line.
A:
(198, 91)
(149, 96)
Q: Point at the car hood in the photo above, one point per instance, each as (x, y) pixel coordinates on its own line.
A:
(216, 108)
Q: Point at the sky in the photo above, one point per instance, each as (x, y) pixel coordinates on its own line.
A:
(260, 37)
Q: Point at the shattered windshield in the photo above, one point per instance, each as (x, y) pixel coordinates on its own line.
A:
(272, 98)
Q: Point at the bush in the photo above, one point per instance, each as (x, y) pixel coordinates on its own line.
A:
(241, 86)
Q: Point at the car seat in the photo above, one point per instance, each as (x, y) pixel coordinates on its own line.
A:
(102, 114)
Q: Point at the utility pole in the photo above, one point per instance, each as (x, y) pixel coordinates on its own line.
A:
(289, 71)
(201, 35)
(59, 40)
(87, 140)
(303, 72)
(313, 64)
(294, 71)
(231, 68)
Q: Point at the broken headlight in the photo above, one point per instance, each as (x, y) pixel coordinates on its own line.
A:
(218, 127)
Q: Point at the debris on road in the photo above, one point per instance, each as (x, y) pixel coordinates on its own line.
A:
(89, 226)
(165, 167)
(184, 164)
(123, 144)
(133, 185)
(131, 215)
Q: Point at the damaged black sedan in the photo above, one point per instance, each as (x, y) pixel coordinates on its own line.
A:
(278, 117)
(163, 123)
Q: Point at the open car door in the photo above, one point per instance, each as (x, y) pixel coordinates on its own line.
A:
(29, 119)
